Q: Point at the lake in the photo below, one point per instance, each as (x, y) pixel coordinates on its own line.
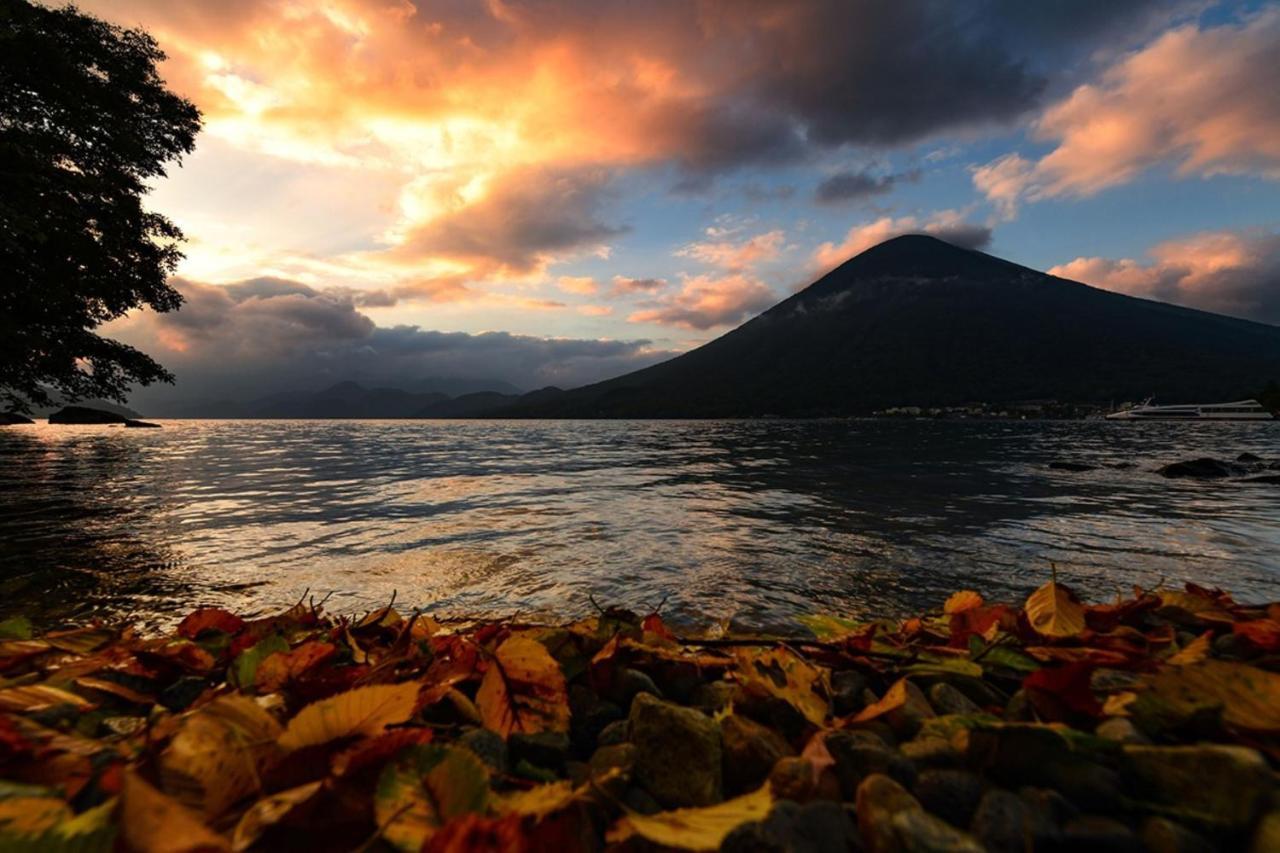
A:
(753, 521)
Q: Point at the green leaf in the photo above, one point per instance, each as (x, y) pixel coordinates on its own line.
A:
(15, 628)
(826, 627)
(426, 787)
(246, 664)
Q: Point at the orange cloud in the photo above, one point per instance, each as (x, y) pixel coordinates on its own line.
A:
(705, 302)
(1202, 99)
(736, 256)
(949, 225)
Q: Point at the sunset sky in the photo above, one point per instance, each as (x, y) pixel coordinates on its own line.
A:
(555, 192)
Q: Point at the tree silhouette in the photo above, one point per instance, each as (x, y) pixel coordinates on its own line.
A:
(85, 122)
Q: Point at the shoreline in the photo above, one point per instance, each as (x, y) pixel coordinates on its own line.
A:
(1149, 722)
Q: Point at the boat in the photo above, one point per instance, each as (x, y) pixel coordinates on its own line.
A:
(1241, 410)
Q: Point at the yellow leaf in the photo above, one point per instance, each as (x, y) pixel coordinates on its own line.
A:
(37, 697)
(695, 829)
(426, 787)
(1054, 612)
(959, 602)
(80, 641)
(268, 811)
(218, 753)
(1249, 697)
(543, 800)
(782, 673)
(523, 690)
(1193, 652)
(1117, 704)
(150, 822)
(894, 698)
(31, 815)
(363, 711)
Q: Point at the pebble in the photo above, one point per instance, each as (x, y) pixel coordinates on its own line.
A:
(948, 700)
(488, 746)
(750, 751)
(1005, 823)
(540, 749)
(847, 688)
(859, 754)
(1223, 785)
(819, 827)
(1099, 834)
(678, 753)
(952, 795)
(1161, 835)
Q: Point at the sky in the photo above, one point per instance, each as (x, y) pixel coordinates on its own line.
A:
(552, 192)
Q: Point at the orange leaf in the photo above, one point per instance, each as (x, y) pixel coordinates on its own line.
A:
(959, 602)
(1263, 633)
(1054, 611)
(1194, 651)
(523, 690)
(894, 698)
(209, 619)
(281, 667)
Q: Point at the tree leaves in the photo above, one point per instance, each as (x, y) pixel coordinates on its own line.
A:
(523, 690)
(363, 711)
(426, 787)
(1054, 611)
(218, 754)
(154, 823)
(782, 673)
(959, 602)
(695, 829)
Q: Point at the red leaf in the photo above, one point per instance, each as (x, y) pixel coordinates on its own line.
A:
(980, 620)
(653, 624)
(209, 619)
(1051, 690)
(282, 667)
(1263, 633)
(378, 750)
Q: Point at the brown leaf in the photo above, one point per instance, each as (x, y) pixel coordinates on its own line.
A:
(209, 619)
(150, 822)
(523, 690)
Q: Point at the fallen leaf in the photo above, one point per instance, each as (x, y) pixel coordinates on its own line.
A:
(523, 690)
(276, 669)
(209, 619)
(375, 751)
(827, 627)
(1053, 611)
(244, 670)
(15, 628)
(80, 641)
(474, 832)
(39, 696)
(362, 711)
(1194, 651)
(695, 829)
(894, 698)
(1262, 633)
(267, 812)
(782, 673)
(1247, 697)
(425, 788)
(150, 822)
(1063, 687)
(959, 602)
(31, 815)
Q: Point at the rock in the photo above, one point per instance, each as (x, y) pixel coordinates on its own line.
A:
(1233, 646)
(639, 800)
(860, 754)
(819, 827)
(1120, 730)
(1018, 709)
(1050, 807)
(921, 832)
(1161, 835)
(85, 415)
(619, 755)
(927, 752)
(14, 419)
(488, 746)
(847, 687)
(1249, 458)
(1204, 468)
(1006, 823)
(614, 733)
(678, 752)
(548, 750)
(131, 423)
(792, 779)
(948, 700)
(1266, 838)
(1026, 754)
(906, 720)
(713, 696)
(878, 800)
(952, 795)
(589, 716)
(1208, 784)
(1099, 835)
(631, 683)
(1059, 465)
(749, 751)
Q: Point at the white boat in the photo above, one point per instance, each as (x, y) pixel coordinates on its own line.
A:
(1241, 410)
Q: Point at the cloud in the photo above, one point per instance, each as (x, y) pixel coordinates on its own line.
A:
(1201, 99)
(852, 186)
(623, 286)
(264, 336)
(736, 256)
(581, 284)
(1228, 272)
(707, 301)
(949, 225)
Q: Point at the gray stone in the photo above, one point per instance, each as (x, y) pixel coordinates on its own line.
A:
(819, 827)
(1005, 823)
(878, 800)
(614, 733)
(1209, 784)
(678, 753)
(1020, 754)
(488, 746)
(630, 683)
(750, 751)
(926, 751)
(859, 754)
(847, 687)
(713, 696)
(548, 750)
(952, 795)
(921, 832)
(1099, 834)
(946, 699)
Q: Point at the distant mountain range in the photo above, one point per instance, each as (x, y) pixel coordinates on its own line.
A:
(913, 321)
(917, 321)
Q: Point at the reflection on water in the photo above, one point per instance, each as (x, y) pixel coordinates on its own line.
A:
(755, 520)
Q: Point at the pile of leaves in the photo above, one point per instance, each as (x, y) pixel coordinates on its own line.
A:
(1149, 722)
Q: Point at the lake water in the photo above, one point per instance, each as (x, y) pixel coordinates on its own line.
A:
(754, 521)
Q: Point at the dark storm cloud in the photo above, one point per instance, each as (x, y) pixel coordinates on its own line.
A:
(854, 186)
(966, 235)
(248, 340)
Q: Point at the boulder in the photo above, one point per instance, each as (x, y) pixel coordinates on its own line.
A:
(678, 752)
(921, 832)
(1266, 837)
(85, 415)
(1208, 784)
(1204, 468)
(14, 419)
(749, 751)
(927, 751)
(1028, 754)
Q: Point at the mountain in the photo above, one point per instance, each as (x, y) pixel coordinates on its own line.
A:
(917, 321)
(101, 405)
